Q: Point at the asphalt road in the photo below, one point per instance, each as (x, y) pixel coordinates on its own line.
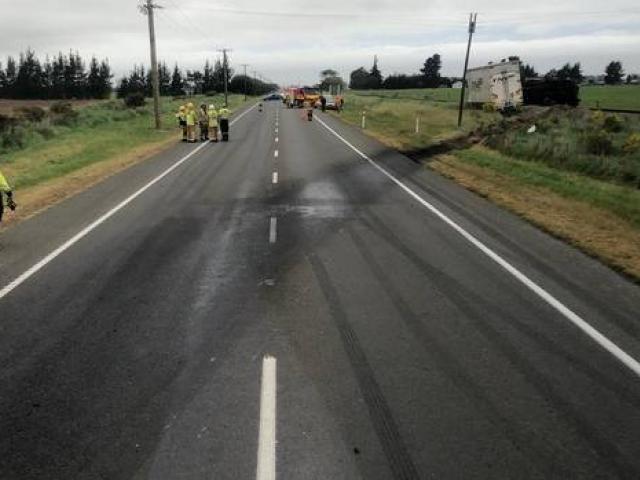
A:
(303, 303)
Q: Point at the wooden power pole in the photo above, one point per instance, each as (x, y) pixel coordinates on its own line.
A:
(148, 9)
(245, 65)
(472, 28)
(225, 66)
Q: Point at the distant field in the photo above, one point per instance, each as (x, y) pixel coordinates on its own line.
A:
(623, 97)
(7, 107)
(429, 94)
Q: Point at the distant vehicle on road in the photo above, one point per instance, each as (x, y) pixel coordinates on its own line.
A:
(332, 103)
(273, 96)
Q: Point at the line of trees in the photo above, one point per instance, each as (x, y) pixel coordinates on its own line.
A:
(429, 77)
(614, 73)
(63, 77)
(177, 83)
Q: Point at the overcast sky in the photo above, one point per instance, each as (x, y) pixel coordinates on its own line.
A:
(291, 41)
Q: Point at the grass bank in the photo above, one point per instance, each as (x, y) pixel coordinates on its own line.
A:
(577, 177)
(92, 143)
(601, 218)
(393, 118)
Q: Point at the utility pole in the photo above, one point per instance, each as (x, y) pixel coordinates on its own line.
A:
(472, 29)
(225, 65)
(147, 9)
(255, 82)
(245, 65)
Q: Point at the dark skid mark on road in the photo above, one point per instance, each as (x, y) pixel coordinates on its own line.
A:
(469, 304)
(400, 461)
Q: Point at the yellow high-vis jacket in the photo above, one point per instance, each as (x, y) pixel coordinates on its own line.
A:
(4, 185)
(192, 118)
(213, 117)
(223, 113)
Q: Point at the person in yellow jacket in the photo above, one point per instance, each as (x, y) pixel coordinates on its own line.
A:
(192, 120)
(203, 121)
(223, 117)
(6, 190)
(213, 123)
(181, 116)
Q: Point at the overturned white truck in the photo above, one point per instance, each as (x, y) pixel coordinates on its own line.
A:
(498, 84)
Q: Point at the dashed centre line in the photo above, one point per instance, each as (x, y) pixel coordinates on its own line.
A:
(266, 469)
(275, 178)
(276, 154)
(273, 230)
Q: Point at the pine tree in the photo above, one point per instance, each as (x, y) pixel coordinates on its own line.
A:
(105, 79)
(375, 76)
(431, 71)
(94, 82)
(10, 77)
(177, 84)
(3, 82)
(29, 80)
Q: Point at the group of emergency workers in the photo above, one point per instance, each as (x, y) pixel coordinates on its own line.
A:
(203, 123)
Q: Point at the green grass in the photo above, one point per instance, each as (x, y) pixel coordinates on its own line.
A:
(100, 132)
(621, 97)
(621, 201)
(446, 95)
(393, 118)
(564, 140)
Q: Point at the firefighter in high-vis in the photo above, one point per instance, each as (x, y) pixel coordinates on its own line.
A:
(213, 123)
(5, 190)
(203, 121)
(181, 116)
(223, 117)
(192, 120)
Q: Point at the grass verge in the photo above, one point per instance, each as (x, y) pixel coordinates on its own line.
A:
(600, 218)
(392, 119)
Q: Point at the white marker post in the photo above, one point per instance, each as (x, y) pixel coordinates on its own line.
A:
(417, 124)
(364, 119)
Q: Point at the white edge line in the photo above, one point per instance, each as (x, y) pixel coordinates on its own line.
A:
(574, 318)
(266, 465)
(273, 230)
(96, 223)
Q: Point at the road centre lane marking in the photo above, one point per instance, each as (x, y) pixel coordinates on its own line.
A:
(276, 154)
(266, 465)
(96, 223)
(277, 139)
(273, 230)
(574, 318)
(275, 177)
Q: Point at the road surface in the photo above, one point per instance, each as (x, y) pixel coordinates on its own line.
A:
(304, 303)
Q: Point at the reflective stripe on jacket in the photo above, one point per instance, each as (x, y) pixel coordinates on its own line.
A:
(4, 185)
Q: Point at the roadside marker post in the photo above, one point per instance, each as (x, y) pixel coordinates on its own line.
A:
(418, 124)
(364, 119)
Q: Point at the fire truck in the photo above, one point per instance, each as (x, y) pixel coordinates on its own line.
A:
(295, 97)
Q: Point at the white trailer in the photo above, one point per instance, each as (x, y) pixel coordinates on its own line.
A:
(497, 83)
